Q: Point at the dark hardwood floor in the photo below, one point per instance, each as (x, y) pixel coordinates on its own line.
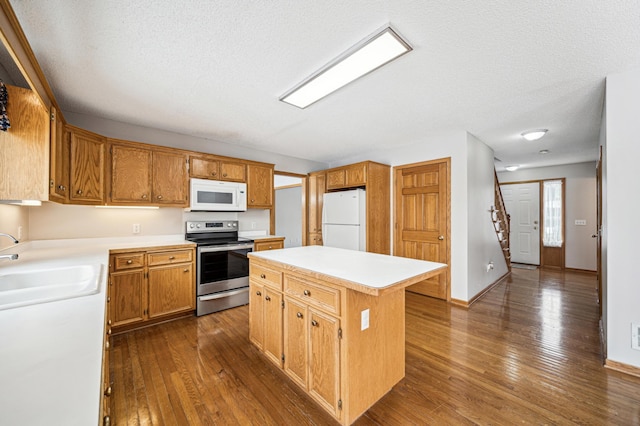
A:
(528, 352)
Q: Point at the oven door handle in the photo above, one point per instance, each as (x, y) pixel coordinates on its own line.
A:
(224, 248)
(223, 294)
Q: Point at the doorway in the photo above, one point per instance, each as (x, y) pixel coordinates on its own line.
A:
(290, 207)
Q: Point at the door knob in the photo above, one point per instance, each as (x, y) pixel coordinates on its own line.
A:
(594, 236)
(441, 237)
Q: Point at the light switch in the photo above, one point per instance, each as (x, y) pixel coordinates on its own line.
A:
(364, 319)
(580, 222)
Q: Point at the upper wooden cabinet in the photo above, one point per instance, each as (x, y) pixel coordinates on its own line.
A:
(216, 168)
(59, 157)
(351, 176)
(259, 186)
(141, 175)
(317, 188)
(87, 166)
(24, 148)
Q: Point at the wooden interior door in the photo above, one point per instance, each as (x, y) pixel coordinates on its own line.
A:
(422, 214)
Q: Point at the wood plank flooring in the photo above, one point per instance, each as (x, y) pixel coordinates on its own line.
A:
(528, 352)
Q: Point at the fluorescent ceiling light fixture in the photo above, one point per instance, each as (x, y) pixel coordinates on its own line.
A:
(512, 168)
(534, 135)
(370, 54)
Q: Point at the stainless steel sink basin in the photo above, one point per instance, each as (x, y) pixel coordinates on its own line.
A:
(48, 285)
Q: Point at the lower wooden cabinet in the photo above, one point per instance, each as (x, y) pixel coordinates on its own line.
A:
(268, 244)
(150, 285)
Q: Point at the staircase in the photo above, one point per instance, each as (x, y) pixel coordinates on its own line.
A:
(500, 220)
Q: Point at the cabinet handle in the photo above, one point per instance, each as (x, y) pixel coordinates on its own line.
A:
(186, 269)
(107, 421)
(129, 262)
(258, 293)
(108, 299)
(159, 197)
(106, 345)
(263, 276)
(306, 293)
(107, 391)
(267, 298)
(79, 192)
(299, 314)
(314, 323)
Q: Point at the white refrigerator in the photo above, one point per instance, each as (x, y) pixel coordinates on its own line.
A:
(344, 220)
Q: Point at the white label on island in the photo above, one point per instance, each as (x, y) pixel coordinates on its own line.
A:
(364, 319)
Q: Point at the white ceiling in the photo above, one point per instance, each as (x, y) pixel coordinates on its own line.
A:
(216, 69)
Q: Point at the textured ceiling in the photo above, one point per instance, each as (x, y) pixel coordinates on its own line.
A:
(215, 69)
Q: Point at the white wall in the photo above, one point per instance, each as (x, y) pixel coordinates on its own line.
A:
(483, 245)
(580, 202)
(11, 218)
(289, 216)
(452, 144)
(621, 226)
(603, 234)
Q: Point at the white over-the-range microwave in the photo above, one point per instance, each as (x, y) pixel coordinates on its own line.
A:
(218, 196)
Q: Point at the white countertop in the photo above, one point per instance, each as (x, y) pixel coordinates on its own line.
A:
(370, 272)
(51, 353)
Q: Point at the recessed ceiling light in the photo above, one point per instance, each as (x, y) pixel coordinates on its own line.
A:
(370, 54)
(512, 168)
(534, 135)
(543, 151)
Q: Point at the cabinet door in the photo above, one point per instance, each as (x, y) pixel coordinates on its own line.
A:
(259, 186)
(127, 297)
(356, 175)
(273, 325)
(315, 239)
(58, 160)
(336, 179)
(256, 313)
(170, 179)
(130, 175)
(324, 360)
(296, 332)
(316, 192)
(204, 168)
(233, 171)
(87, 167)
(171, 289)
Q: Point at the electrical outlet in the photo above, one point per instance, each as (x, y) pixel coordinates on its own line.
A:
(635, 336)
(136, 228)
(253, 225)
(364, 319)
(580, 222)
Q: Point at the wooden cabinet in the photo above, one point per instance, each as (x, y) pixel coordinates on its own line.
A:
(271, 243)
(59, 157)
(105, 402)
(259, 186)
(87, 167)
(211, 167)
(316, 189)
(265, 310)
(150, 285)
(24, 148)
(375, 179)
(140, 175)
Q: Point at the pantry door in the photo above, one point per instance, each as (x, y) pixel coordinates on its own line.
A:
(422, 220)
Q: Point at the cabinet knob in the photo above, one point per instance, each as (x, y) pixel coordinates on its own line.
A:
(109, 322)
(108, 299)
(253, 201)
(306, 293)
(441, 237)
(171, 257)
(61, 188)
(159, 197)
(129, 262)
(258, 293)
(270, 247)
(107, 421)
(107, 391)
(267, 298)
(299, 314)
(314, 323)
(106, 345)
(263, 276)
(186, 269)
(224, 175)
(109, 332)
(144, 196)
(79, 192)
(214, 173)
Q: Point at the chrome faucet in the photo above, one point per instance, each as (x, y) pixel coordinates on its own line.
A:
(13, 256)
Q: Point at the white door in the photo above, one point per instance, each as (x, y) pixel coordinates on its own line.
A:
(522, 202)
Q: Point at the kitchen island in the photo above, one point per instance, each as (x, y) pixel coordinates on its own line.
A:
(334, 321)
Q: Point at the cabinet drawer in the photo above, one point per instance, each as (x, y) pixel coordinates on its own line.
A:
(168, 257)
(268, 245)
(266, 275)
(326, 298)
(128, 261)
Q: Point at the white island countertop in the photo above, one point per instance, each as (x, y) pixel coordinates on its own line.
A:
(51, 353)
(370, 273)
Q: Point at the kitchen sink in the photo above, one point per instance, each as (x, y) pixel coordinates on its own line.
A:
(48, 285)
